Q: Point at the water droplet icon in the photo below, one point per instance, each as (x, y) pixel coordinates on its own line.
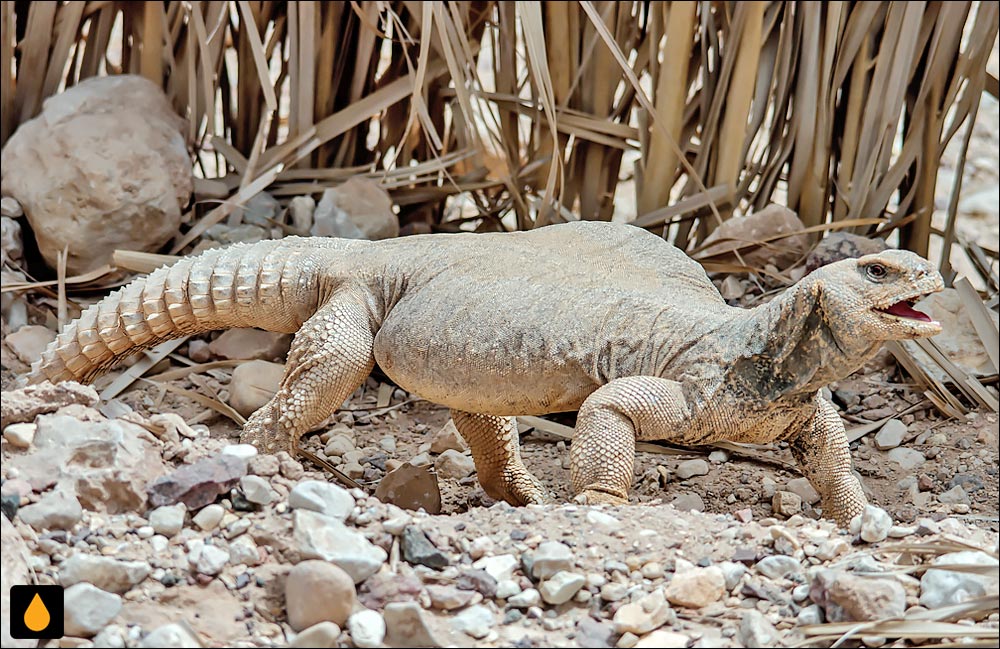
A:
(36, 617)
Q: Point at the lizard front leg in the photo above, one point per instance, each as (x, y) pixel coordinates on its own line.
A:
(330, 357)
(496, 451)
(823, 456)
(610, 420)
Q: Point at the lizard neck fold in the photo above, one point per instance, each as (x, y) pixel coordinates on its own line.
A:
(794, 346)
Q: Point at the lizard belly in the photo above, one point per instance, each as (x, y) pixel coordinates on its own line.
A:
(510, 372)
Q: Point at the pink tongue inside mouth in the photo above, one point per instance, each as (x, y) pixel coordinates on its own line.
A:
(904, 310)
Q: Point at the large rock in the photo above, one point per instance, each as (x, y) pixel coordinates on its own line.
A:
(851, 598)
(771, 221)
(104, 572)
(88, 609)
(27, 403)
(104, 166)
(253, 384)
(106, 463)
(357, 209)
(943, 587)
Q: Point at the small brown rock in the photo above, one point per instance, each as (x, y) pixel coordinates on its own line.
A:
(785, 503)
(411, 487)
(253, 384)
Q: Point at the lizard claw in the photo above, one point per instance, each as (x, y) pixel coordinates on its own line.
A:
(592, 497)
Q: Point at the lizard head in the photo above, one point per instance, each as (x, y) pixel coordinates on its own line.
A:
(872, 296)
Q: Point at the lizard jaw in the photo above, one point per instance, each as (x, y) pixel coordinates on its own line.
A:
(918, 323)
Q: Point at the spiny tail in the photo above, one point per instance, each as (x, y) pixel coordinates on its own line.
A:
(273, 285)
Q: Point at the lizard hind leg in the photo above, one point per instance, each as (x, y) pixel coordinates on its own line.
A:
(496, 451)
(330, 357)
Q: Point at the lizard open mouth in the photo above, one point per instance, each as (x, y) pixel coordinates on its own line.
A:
(904, 309)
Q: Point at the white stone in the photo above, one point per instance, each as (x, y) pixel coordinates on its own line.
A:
(171, 636)
(696, 588)
(256, 489)
(599, 518)
(104, 572)
(20, 435)
(88, 609)
(891, 435)
(550, 558)
(57, 510)
(561, 587)
(244, 451)
(907, 458)
(476, 621)
(323, 537)
(940, 587)
(367, 628)
(692, 468)
(209, 517)
(318, 591)
(168, 520)
(875, 524)
(500, 567)
(319, 636)
(323, 497)
(211, 560)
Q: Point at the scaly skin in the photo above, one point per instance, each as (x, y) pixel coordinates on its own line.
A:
(602, 318)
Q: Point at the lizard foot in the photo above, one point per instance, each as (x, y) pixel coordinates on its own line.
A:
(593, 497)
(260, 432)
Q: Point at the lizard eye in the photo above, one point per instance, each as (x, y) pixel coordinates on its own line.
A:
(876, 271)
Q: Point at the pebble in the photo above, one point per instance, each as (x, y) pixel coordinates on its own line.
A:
(944, 587)
(500, 567)
(476, 621)
(241, 451)
(525, 599)
(256, 489)
(418, 549)
(168, 520)
(811, 614)
(954, 496)
(323, 537)
(891, 435)
(88, 609)
(663, 640)
(171, 636)
(875, 524)
(561, 587)
(550, 558)
(688, 502)
(696, 587)
(907, 458)
(56, 510)
(318, 591)
(448, 438)
(613, 592)
(643, 616)
(756, 631)
(211, 560)
(732, 572)
(802, 488)
(448, 598)
(454, 464)
(209, 517)
(786, 503)
(779, 566)
(718, 457)
(692, 468)
(367, 628)
(323, 497)
(20, 435)
(406, 627)
(599, 518)
(104, 572)
(319, 636)
(338, 446)
(253, 384)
